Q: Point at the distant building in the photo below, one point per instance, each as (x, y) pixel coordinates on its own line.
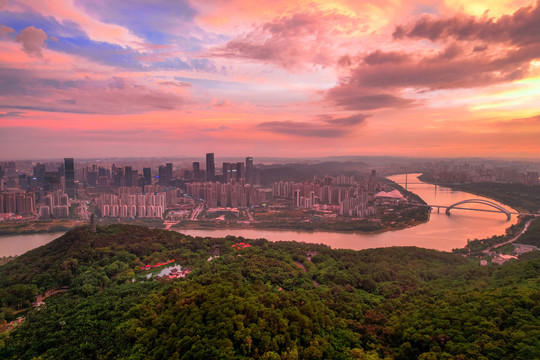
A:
(165, 174)
(69, 171)
(196, 170)
(227, 172)
(250, 173)
(147, 174)
(128, 175)
(210, 167)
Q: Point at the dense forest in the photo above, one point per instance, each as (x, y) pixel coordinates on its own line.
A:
(270, 300)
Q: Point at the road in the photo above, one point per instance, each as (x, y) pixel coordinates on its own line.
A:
(525, 228)
(195, 214)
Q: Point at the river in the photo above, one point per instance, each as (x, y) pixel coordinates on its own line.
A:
(441, 232)
(18, 244)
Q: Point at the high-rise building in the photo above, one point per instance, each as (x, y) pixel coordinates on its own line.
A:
(196, 170)
(39, 173)
(165, 174)
(128, 176)
(250, 173)
(69, 171)
(147, 173)
(227, 172)
(240, 171)
(210, 167)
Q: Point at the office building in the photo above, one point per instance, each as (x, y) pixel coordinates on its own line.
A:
(250, 173)
(69, 171)
(210, 167)
(128, 176)
(196, 170)
(147, 174)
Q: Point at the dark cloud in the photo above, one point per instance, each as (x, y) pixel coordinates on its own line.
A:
(378, 57)
(349, 98)
(301, 129)
(41, 91)
(520, 28)
(349, 121)
(46, 109)
(32, 40)
(292, 41)
(324, 126)
(11, 114)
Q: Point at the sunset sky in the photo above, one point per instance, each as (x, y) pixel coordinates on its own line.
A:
(99, 78)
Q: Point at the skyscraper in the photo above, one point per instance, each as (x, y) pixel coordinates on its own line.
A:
(165, 174)
(250, 173)
(227, 172)
(147, 173)
(240, 171)
(196, 170)
(69, 171)
(128, 176)
(210, 167)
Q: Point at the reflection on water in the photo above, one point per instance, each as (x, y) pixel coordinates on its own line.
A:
(442, 232)
(165, 271)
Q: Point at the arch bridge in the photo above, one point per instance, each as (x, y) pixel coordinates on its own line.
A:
(480, 201)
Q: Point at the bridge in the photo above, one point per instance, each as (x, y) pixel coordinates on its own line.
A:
(480, 201)
(497, 208)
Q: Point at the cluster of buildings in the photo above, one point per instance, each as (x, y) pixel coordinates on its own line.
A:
(49, 189)
(17, 202)
(467, 173)
(215, 194)
(134, 202)
(346, 193)
(44, 193)
(244, 172)
(55, 204)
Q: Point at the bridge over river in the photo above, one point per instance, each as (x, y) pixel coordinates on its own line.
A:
(497, 208)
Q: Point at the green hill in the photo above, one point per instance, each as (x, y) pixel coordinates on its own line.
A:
(271, 300)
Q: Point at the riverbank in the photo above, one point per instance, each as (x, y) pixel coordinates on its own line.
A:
(345, 227)
(38, 227)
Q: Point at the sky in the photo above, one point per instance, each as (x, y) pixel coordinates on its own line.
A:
(103, 78)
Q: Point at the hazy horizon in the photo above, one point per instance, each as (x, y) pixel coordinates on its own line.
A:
(419, 79)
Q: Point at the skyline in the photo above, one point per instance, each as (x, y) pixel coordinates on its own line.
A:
(90, 79)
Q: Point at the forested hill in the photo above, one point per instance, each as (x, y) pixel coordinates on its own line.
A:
(263, 300)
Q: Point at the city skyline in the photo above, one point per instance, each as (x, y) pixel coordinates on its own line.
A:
(299, 79)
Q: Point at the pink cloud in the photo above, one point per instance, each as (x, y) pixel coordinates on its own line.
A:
(32, 40)
(520, 28)
(293, 41)
(475, 52)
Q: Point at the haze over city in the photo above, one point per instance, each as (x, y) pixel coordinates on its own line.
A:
(304, 78)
